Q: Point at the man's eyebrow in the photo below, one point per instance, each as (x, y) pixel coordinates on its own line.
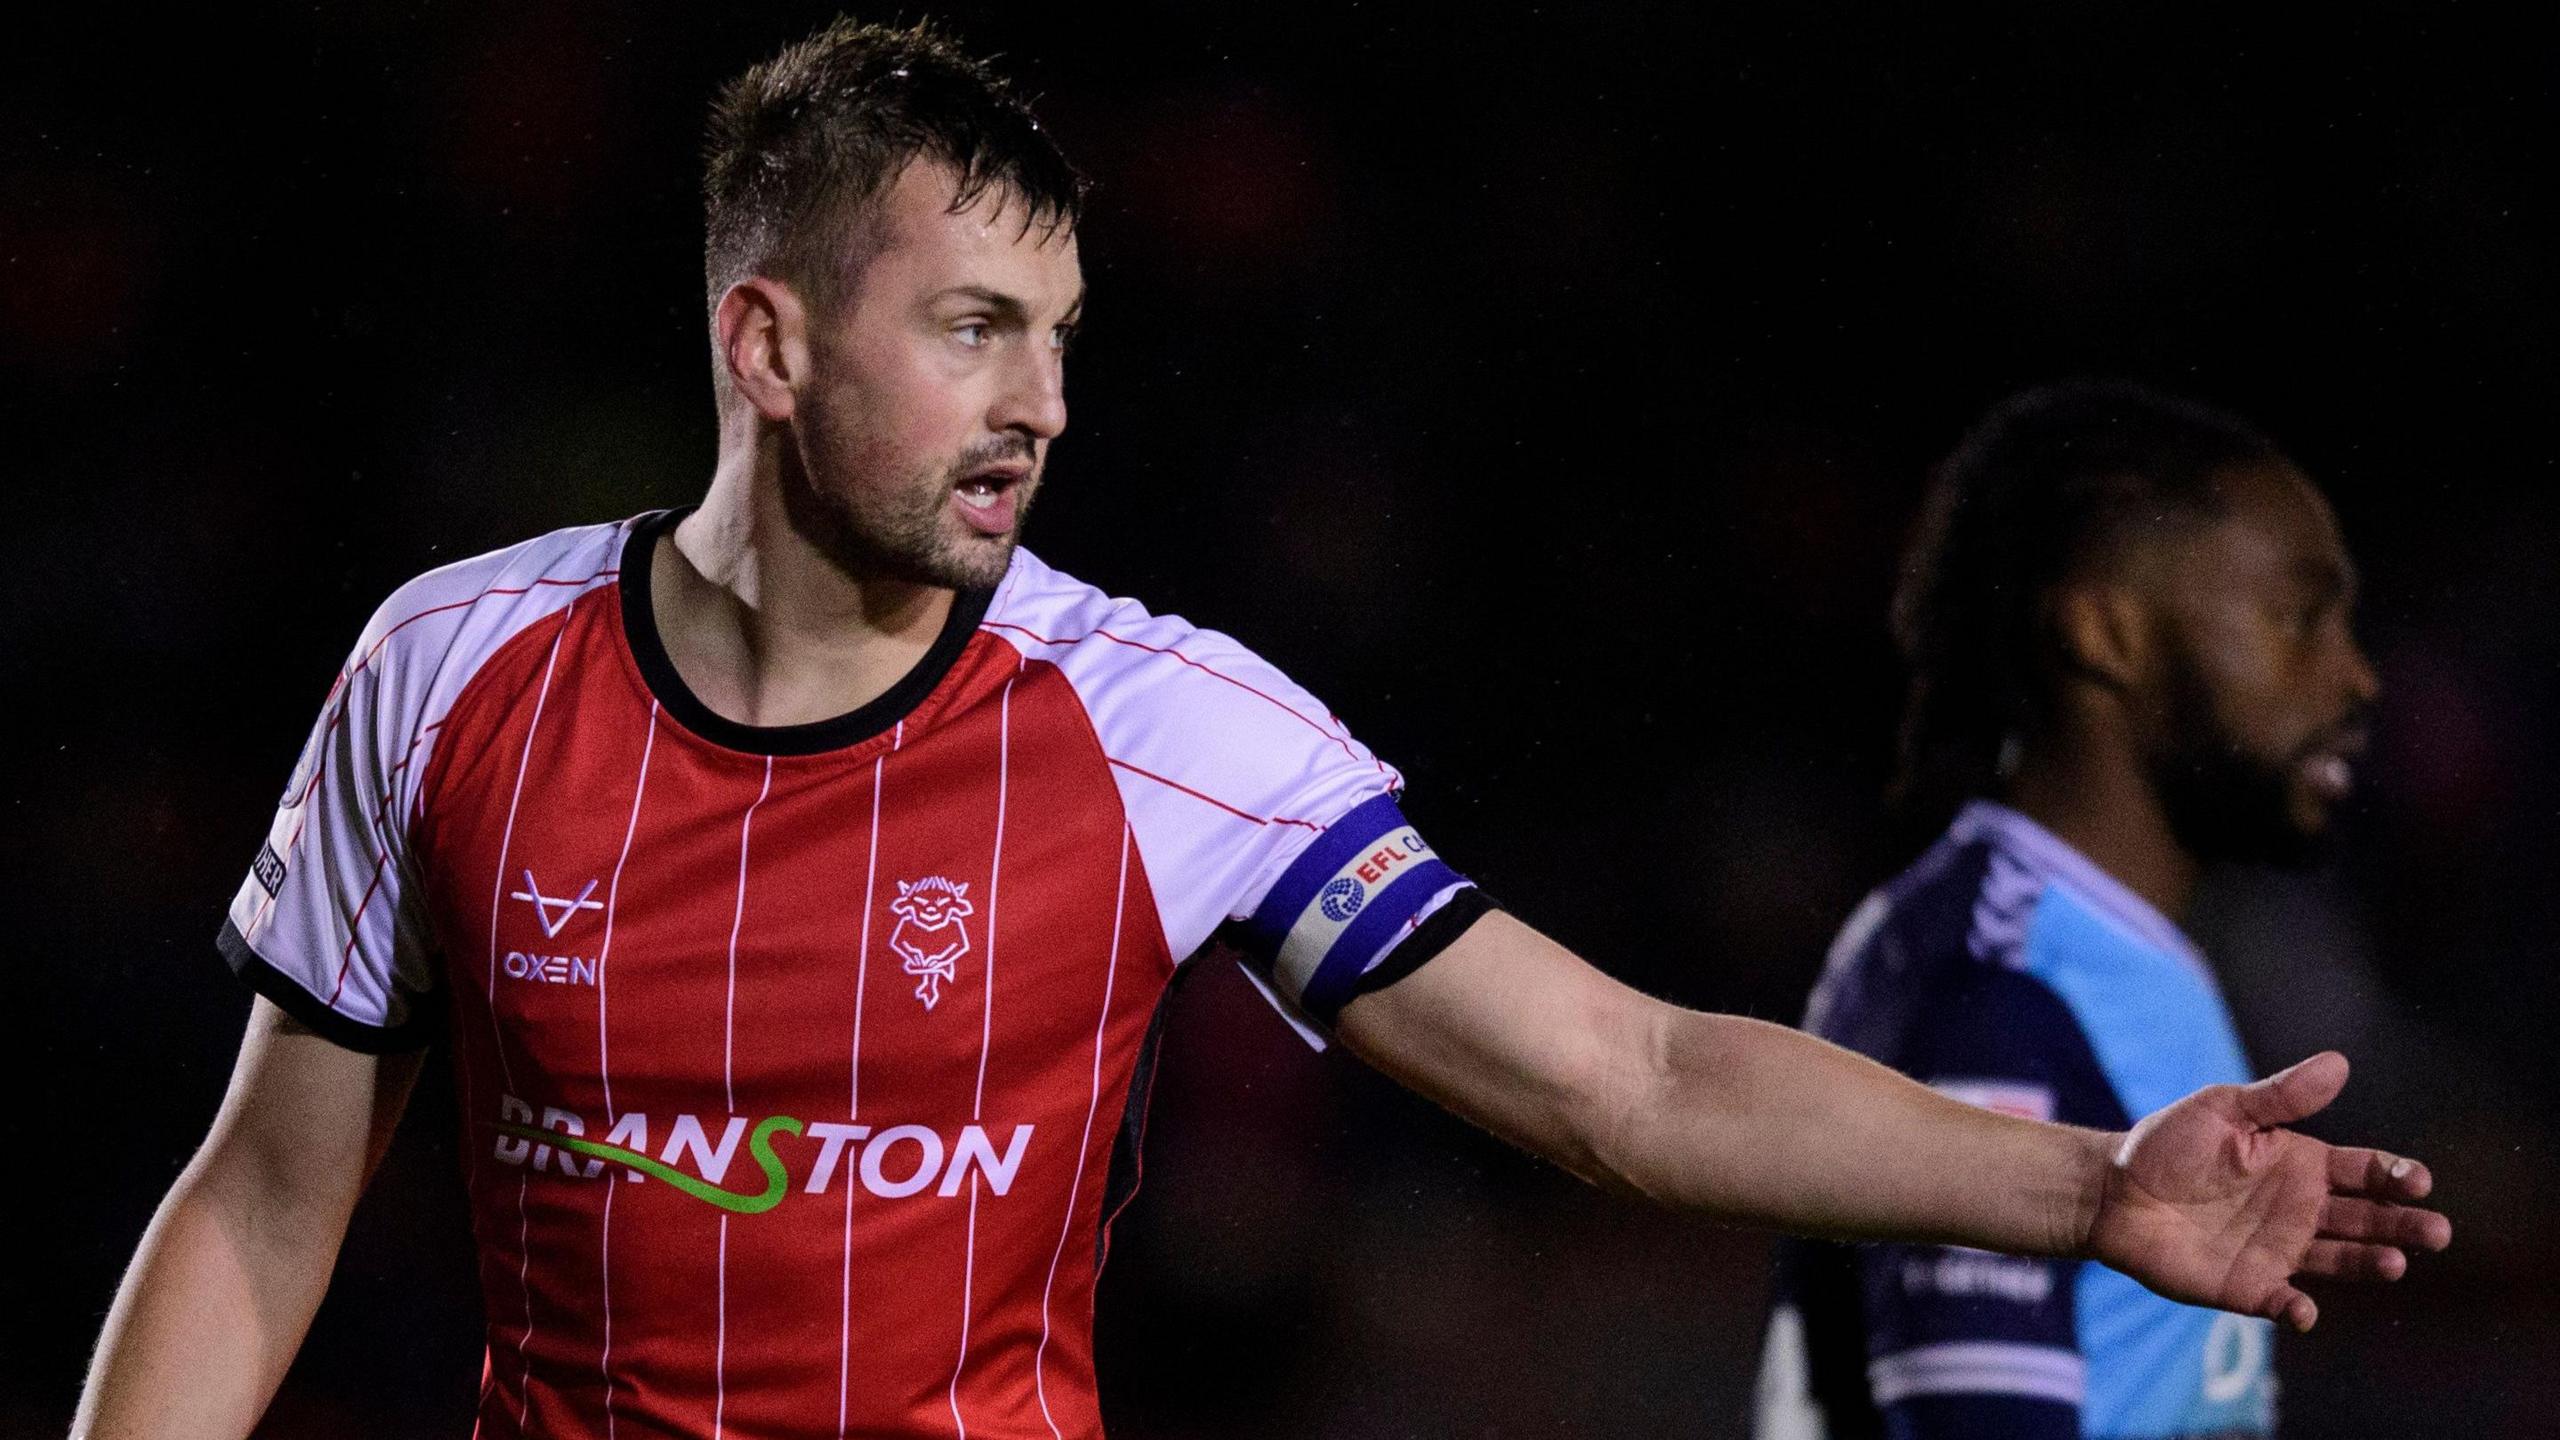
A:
(1008, 308)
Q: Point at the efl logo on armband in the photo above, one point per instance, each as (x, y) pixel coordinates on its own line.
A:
(1342, 901)
(269, 868)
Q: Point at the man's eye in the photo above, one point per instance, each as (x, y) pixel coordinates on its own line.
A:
(1061, 337)
(975, 334)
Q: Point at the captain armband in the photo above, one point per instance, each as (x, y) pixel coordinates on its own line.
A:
(1363, 906)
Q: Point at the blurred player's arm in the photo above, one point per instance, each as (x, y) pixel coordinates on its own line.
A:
(2206, 1202)
(233, 1266)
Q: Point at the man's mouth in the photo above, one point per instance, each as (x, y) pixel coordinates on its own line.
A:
(989, 495)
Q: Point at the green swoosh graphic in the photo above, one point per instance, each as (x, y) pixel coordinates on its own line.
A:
(759, 1145)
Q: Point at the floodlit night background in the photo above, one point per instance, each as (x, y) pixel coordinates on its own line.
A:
(1547, 389)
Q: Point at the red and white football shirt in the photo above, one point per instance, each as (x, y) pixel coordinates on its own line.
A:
(792, 1060)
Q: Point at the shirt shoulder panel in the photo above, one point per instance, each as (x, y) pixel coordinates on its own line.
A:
(1227, 767)
(433, 632)
(330, 903)
(1145, 676)
(1243, 791)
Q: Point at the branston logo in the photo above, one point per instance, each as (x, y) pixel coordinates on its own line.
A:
(556, 911)
(929, 934)
(892, 1163)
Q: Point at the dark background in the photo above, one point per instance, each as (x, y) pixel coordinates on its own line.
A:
(1549, 389)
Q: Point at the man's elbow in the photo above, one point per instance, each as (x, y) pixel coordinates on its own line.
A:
(1621, 1100)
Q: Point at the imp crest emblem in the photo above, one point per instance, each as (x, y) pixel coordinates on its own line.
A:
(930, 936)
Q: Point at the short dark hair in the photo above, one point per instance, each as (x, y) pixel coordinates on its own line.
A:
(2050, 483)
(800, 144)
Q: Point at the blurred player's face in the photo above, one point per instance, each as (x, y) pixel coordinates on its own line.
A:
(2261, 702)
(935, 388)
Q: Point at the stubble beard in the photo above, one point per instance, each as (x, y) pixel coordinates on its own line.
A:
(2224, 801)
(898, 531)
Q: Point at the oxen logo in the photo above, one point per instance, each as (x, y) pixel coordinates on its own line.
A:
(930, 935)
(556, 910)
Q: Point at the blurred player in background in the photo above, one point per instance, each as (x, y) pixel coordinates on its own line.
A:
(2127, 619)
(797, 876)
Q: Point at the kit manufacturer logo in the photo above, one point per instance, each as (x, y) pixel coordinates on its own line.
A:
(556, 911)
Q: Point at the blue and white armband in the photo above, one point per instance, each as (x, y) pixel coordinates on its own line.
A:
(1365, 905)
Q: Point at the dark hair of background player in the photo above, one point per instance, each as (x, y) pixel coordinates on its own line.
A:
(799, 144)
(2051, 481)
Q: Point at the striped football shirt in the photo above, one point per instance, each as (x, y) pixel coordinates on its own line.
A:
(801, 1068)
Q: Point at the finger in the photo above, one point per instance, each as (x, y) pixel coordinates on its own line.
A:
(2288, 1306)
(2355, 1171)
(2348, 1218)
(2346, 1260)
(2296, 1092)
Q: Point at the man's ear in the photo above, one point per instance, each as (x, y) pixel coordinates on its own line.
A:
(764, 343)
(2104, 634)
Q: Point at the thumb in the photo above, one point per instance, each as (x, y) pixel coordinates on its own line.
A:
(2301, 1090)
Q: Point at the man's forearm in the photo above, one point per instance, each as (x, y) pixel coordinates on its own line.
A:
(208, 1317)
(1763, 1125)
(1748, 1121)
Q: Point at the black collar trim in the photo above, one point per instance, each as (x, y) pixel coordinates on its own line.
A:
(649, 652)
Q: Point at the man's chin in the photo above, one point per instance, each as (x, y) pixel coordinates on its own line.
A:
(970, 562)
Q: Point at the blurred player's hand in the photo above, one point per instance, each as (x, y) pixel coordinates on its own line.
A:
(2210, 1202)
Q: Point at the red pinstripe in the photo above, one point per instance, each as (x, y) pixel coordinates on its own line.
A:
(1212, 799)
(376, 648)
(321, 767)
(474, 600)
(355, 924)
(1283, 706)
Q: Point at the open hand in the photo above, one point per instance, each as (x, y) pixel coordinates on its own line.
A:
(2210, 1202)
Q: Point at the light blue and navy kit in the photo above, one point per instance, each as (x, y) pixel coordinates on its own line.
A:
(2008, 970)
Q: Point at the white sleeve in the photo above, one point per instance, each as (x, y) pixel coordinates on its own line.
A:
(1259, 818)
(327, 923)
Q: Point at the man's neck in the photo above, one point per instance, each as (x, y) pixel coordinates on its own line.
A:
(2101, 805)
(764, 629)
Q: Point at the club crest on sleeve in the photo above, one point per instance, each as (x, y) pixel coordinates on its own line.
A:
(930, 937)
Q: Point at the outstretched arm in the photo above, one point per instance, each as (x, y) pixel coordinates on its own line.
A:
(2206, 1202)
(234, 1264)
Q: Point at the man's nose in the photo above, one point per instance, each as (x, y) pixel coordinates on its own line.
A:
(1034, 398)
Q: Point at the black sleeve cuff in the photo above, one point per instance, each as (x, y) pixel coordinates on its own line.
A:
(330, 1025)
(1436, 933)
